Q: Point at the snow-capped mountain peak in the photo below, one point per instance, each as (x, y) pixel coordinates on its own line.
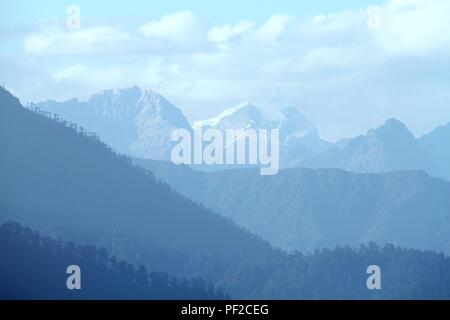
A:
(116, 103)
(132, 120)
(292, 123)
(212, 122)
(140, 122)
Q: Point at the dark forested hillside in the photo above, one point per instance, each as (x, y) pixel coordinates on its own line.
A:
(339, 273)
(34, 267)
(54, 175)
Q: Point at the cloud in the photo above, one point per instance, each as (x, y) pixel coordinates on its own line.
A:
(57, 40)
(76, 71)
(339, 29)
(180, 26)
(365, 64)
(221, 35)
(415, 27)
(273, 28)
(89, 76)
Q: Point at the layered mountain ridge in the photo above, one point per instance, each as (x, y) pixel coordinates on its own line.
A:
(307, 209)
(54, 176)
(139, 123)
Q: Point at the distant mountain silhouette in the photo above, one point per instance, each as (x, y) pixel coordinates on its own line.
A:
(387, 148)
(305, 209)
(437, 144)
(54, 175)
(139, 123)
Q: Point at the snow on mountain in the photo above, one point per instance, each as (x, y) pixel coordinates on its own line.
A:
(140, 122)
(134, 121)
(212, 122)
(299, 137)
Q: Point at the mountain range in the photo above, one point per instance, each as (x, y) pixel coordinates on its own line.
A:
(53, 175)
(298, 136)
(139, 123)
(305, 209)
(437, 145)
(131, 120)
(390, 147)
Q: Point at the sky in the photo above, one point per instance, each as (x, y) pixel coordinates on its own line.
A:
(348, 65)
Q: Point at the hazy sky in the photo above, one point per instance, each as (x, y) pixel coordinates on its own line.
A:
(348, 65)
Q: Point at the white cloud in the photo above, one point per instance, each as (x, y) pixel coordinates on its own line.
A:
(415, 27)
(85, 79)
(89, 76)
(223, 34)
(57, 40)
(180, 26)
(333, 66)
(76, 71)
(339, 29)
(273, 28)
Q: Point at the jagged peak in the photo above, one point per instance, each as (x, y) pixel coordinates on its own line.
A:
(228, 112)
(118, 91)
(393, 125)
(392, 130)
(394, 122)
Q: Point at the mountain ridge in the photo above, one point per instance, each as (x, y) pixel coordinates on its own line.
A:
(147, 134)
(307, 209)
(70, 179)
(132, 120)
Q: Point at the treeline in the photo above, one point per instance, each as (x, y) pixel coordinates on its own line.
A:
(339, 273)
(73, 180)
(92, 136)
(34, 267)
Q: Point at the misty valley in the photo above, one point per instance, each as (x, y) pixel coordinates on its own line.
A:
(146, 228)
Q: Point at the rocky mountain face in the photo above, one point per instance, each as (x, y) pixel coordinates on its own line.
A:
(387, 148)
(133, 121)
(299, 137)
